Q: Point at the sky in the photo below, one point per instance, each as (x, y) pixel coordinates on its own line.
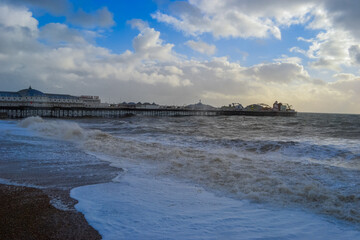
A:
(302, 52)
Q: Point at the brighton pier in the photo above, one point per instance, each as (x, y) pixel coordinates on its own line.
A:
(30, 102)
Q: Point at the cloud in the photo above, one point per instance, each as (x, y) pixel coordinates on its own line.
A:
(278, 72)
(153, 71)
(149, 46)
(57, 7)
(138, 24)
(17, 17)
(100, 18)
(237, 19)
(61, 33)
(344, 15)
(336, 22)
(287, 59)
(332, 49)
(354, 52)
(202, 47)
(230, 25)
(347, 87)
(18, 30)
(347, 83)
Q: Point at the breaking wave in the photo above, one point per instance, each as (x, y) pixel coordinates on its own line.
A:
(64, 130)
(290, 173)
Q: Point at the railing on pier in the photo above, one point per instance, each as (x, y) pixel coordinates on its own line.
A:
(23, 112)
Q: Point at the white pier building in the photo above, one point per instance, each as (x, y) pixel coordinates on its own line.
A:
(34, 98)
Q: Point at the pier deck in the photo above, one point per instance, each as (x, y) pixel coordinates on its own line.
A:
(64, 112)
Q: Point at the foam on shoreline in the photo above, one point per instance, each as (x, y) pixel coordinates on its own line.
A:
(144, 207)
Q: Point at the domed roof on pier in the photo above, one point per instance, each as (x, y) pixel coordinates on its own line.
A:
(199, 106)
(29, 92)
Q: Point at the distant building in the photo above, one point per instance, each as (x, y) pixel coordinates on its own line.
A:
(258, 107)
(199, 106)
(233, 106)
(138, 105)
(36, 98)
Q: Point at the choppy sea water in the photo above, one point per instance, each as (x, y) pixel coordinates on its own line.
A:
(207, 177)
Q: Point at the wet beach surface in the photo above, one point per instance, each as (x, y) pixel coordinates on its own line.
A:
(36, 176)
(26, 213)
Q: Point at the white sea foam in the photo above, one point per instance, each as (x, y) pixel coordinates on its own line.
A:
(57, 129)
(143, 207)
(64, 130)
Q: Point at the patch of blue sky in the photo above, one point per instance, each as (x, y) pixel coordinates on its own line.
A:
(253, 51)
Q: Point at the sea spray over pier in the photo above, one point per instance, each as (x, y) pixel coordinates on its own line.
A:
(313, 166)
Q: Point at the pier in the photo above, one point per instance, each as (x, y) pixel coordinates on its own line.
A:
(83, 112)
(31, 102)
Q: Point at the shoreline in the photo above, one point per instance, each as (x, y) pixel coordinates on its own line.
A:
(36, 176)
(27, 213)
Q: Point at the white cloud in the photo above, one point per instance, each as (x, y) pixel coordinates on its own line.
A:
(18, 30)
(202, 47)
(149, 46)
(330, 50)
(231, 24)
(242, 19)
(17, 17)
(347, 83)
(278, 73)
(138, 23)
(287, 59)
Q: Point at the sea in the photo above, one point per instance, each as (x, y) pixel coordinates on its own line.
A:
(196, 177)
